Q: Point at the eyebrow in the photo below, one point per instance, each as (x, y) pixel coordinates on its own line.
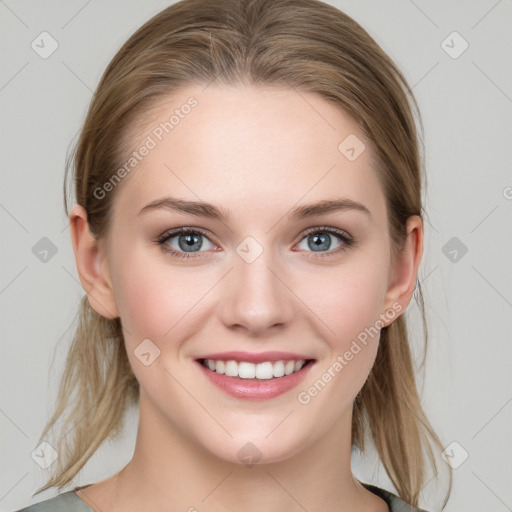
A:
(208, 210)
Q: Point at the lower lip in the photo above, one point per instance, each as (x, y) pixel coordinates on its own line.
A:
(250, 389)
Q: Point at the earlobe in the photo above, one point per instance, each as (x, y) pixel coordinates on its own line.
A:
(404, 268)
(91, 264)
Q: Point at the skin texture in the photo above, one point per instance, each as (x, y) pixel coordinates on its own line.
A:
(258, 153)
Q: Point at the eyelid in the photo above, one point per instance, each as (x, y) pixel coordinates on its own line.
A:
(328, 229)
(170, 233)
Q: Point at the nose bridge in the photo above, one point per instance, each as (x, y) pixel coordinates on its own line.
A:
(257, 299)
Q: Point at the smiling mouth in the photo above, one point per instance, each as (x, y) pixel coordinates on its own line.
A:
(266, 370)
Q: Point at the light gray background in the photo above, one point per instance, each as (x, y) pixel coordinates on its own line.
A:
(466, 104)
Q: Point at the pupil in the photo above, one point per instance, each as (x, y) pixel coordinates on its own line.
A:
(190, 240)
(321, 241)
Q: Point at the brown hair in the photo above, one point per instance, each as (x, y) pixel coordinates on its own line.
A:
(309, 46)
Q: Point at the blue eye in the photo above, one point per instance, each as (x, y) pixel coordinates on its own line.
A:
(184, 241)
(187, 242)
(319, 240)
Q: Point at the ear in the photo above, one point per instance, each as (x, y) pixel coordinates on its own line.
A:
(92, 264)
(404, 267)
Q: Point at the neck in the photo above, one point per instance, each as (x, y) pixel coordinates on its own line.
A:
(169, 471)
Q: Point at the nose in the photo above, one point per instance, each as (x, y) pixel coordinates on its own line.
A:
(256, 297)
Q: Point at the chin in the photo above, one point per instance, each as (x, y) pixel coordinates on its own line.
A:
(252, 447)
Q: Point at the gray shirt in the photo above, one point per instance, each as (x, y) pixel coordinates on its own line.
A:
(70, 502)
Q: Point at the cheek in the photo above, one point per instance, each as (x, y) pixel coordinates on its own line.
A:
(350, 354)
(157, 300)
(144, 304)
(347, 299)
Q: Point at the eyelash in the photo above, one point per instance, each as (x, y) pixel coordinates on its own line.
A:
(344, 237)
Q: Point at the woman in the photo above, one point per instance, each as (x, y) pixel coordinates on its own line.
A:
(248, 231)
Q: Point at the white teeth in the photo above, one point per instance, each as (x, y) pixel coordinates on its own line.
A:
(231, 369)
(246, 370)
(262, 371)
(219, 366)
(278, 369)
(289, 367)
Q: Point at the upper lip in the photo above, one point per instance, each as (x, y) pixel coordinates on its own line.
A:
(255, 357)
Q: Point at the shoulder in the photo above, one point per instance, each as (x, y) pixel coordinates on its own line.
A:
(394, 503)
(65, 502)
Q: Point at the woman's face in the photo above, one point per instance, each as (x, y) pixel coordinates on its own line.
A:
(273, 280)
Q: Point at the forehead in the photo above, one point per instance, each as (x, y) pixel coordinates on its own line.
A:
(250, 148)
